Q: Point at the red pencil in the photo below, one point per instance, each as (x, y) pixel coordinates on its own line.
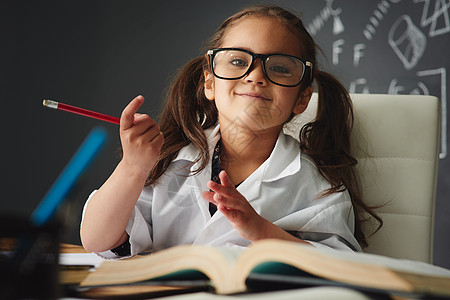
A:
(80, 111)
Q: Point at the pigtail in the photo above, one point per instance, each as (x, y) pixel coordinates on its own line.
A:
(327, 141)
(186, 114)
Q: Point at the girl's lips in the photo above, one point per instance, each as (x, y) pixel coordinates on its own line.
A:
(253, 95)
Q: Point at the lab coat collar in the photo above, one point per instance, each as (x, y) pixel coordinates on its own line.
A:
(191, 153)
(282, 162)
(284, 159)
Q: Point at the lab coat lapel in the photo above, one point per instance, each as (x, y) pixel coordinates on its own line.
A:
(283, 161)
(251, 187)
(202, 178)
(191, 153)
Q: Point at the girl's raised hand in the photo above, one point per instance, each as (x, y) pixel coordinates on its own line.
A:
(141, 138)
(236, 208)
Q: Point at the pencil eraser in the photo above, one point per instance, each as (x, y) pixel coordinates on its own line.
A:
(50, 103)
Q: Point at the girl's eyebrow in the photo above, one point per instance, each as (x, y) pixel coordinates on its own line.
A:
(248, 49)
(237, 47)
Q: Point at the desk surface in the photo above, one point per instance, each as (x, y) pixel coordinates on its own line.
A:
(69, 248)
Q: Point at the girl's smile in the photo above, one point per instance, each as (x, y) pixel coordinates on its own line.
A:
(253, 95)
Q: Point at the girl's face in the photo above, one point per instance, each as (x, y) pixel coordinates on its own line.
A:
(253, 101)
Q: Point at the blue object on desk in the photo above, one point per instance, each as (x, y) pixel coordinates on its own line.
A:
(63, 184)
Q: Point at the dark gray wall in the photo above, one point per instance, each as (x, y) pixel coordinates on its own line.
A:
(100, 54)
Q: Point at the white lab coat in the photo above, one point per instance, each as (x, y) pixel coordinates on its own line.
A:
(283, 190)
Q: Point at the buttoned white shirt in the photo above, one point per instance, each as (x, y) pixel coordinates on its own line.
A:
(285, 190)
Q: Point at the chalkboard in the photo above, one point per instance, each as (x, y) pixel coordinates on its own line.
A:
(391, 47)
(100, 54)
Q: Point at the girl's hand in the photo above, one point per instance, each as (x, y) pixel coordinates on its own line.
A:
(141, 138)
(236, 208)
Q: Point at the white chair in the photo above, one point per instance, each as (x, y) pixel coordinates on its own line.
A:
(396, 141)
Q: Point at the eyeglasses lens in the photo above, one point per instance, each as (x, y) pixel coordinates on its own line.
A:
(284, 70)
(231, 64)
(280, 69)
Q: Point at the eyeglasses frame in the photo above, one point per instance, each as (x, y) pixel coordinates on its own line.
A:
(212, 52)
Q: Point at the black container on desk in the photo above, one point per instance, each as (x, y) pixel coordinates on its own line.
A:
(28, 259)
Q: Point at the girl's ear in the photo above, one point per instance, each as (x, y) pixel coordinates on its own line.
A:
(209, 85)
(303, 100)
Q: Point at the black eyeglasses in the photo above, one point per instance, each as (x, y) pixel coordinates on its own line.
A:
(281, 69)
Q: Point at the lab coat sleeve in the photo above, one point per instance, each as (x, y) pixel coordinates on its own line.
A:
(338, 221)
(327, 225)
(139, 230)
(324, 221)
(139, 226)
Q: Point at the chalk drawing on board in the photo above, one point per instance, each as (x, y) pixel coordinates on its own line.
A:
(407, 41)
(358, 53)
(439, 19)
(338, 26)
(376, 18)
(442, 72)
(394, 88)
(337, 49)
(359, 86)
(324, 15)
(397, 89)
(421, 89)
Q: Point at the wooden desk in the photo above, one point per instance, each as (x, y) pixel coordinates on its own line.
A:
(69, 248)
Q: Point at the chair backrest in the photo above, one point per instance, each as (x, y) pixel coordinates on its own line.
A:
(396, 141)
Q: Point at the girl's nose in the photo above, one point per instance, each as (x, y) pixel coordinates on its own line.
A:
(256, 74)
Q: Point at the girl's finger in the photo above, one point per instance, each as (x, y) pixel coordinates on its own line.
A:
(209, 196)
(220, 189)
(224, 179)
(146, 126)
(156, 136)
(229, 203)
(127, 117)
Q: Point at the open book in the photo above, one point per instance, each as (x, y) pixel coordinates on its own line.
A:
(230, 270)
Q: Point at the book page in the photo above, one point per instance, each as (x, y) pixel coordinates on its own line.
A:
(80, 259)
(320, 264)
(182, 262)
(401, 265)
(355, 269)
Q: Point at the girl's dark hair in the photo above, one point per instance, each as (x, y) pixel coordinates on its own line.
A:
(326, 140)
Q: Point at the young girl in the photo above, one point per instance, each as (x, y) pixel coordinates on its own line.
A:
(218, 168)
